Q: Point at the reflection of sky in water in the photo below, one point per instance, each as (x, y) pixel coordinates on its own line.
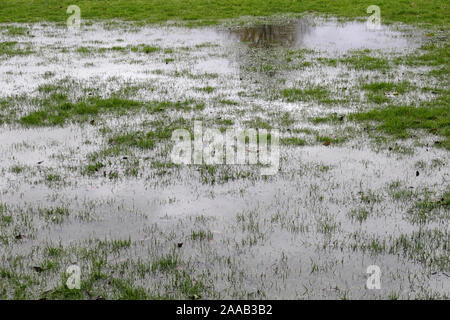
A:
(327, 35)
(352, 35)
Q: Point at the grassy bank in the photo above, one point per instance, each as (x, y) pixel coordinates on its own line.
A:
(434, 12)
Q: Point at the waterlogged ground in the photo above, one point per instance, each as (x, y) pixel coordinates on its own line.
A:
(87, 179)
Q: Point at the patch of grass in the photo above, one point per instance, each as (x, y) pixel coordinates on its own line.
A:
(429, 247)
(218, 174)
(365, 62)
(16, 31)
(377, 90)
(166, 263)
(224, 122)
(285, 119)
(55, 215)
(360, 214)
(17, 169)
(428, 209)
(331, 118)
(85, 50)
(397, 120)
(293, 141)
(135, 139)
(186, 105)
(202, 235)
(93, 168)
(316, 93)
(383, 86)
(191, 288)
(402, 194)
(229, 102)
(13, 48)
(329, 140)
(378, 98)
(54, 113)
(258, 123)
(53, 178)
(211, 11)
(207, 89)
(142, 48)
(127, 290)
(121, 143)
(432, 54)
(369, 197)
(150, 49)
(5, 219)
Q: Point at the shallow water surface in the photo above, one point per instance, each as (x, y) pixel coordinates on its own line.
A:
(309, 231)
(329, 35)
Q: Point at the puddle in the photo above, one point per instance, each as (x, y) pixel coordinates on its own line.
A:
(326, 35)
(287, 236)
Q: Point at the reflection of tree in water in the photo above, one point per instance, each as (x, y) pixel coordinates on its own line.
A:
(264, 36)
(263, 54)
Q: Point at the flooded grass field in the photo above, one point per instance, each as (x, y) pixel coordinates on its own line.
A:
(86, 120)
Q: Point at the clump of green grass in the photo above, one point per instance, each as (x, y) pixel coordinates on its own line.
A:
(224, 122)
(126, 290)
(377, 90)
(17, 169)
(370, 196)
(432, 54)
(166, 263)
(186, 105)
(330, 118)
(428, 209)
(383, 86)
(258, 123)
(5, 219)
(136, 139)
(93, 168)
(85, 50)
(150, 49)
(56, 109)
(360, 214)
(142, 48)
(365, 62)
(53, 177)
(328, 140)
(207, 89)
(293, 141)
(12, 48)
(161, 130)
(202, 235)
(429, 247)
(16, 31)
(218, 174)
(55, 215)
(377, 98)
(397, 120)
(285, 119)
(399, 193)
(229, 102)
(316, 93)
(54, 113)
